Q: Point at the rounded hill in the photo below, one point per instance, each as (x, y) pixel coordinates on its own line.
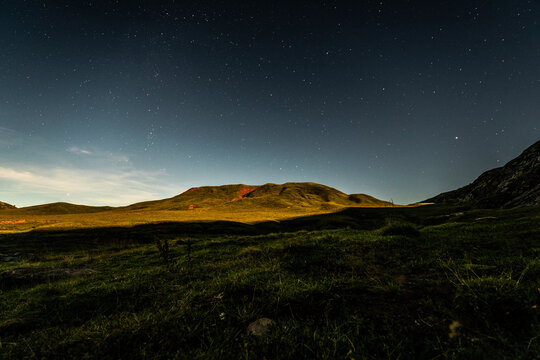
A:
(305, 195)
(61, 208)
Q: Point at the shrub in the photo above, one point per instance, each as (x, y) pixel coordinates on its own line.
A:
(163, 248)
(400, 228)
(250, 250)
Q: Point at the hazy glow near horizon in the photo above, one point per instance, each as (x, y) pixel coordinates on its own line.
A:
(111, 104)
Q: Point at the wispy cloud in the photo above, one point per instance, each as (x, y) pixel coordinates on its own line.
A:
(8, 136)
(96, 153)
(78, 151)
(76, 174)
(93, 187)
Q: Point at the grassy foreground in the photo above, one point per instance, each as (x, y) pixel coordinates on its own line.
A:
(406, 284)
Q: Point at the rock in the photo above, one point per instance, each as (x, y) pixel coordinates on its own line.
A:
(13, 257)
(260, 326)
(486, 218)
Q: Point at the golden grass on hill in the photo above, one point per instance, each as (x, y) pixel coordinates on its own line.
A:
(10, 223)
(239, 203)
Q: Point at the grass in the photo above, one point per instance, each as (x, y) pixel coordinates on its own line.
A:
(14, 221)
(239, 203)
(400, 228)
(336, 286)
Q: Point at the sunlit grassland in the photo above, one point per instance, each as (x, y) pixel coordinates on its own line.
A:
(456, 287)
(131, 218)
(13, 222)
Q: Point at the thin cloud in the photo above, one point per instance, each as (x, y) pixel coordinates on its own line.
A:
(93, 187)
(78, 151)
(8, 136)
(117, 157)
(96, 153)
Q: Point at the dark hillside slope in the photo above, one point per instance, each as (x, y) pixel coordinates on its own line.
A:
(516, 184)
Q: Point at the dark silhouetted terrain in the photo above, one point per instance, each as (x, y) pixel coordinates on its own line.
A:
(516, 184)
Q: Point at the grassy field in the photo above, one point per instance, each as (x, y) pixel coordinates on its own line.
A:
(239, 203)
(405, 283)
(15, 222)
(21, 222)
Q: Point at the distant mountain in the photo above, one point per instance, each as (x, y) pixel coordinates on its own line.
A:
(225, 198)
(61, 208)
(269, 196)
(6, 206)
(516, 184)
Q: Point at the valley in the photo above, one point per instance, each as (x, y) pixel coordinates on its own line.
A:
(278, 271)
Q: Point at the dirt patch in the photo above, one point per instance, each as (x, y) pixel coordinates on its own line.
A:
(13, 222)
(243, 192)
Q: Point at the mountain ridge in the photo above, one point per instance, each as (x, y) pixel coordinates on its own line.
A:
(516, 184)
(242, 196)
(233, 197)
(57, 208)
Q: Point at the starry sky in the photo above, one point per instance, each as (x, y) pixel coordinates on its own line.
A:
(114, 102)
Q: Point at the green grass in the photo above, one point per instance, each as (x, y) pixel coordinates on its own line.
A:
(460, 288)
(400, 228)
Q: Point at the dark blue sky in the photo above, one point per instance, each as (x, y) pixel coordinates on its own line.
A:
(113, 102)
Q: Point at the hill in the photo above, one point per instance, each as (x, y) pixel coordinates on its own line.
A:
(268, 196)
(6, 206)
(516, 184)
(247, 204)
(61, 208)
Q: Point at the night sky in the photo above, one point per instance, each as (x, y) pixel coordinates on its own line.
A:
(111, 102)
